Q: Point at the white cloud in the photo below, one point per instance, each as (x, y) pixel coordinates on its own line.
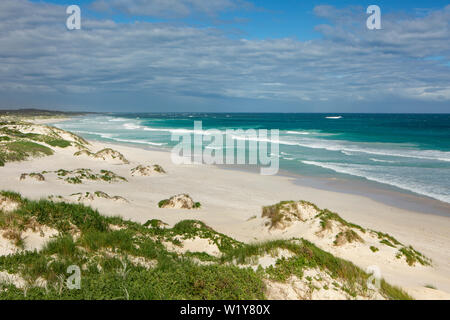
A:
(168, 8)
(38, 55)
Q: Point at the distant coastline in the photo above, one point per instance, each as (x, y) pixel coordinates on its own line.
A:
(31, 112)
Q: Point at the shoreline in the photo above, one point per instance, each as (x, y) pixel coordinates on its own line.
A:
(382, 192)
(386, 194)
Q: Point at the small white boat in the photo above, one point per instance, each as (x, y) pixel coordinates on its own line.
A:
(338, 117)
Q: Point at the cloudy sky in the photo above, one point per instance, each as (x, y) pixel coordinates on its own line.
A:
(225, 56)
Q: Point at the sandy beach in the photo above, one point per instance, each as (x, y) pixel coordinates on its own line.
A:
(232, 201)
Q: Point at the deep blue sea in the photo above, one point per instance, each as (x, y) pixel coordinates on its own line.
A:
(406, 151)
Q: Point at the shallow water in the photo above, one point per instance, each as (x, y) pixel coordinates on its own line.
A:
(406, 151)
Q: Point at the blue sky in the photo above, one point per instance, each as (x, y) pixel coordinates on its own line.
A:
(269, 19)
(226, 55)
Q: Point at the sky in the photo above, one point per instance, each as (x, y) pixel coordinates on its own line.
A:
(225, 56)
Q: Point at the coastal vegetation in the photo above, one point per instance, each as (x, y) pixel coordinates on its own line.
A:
(347, 236)
(285, 214)
(20, 141)
(33, 175)
(90, 196)
(180, 201)
(37, 114)
(413, 256)
(104, 154)
(77, 176)
(143, 171)
(22, 150)
(48, 139)
(116, 257)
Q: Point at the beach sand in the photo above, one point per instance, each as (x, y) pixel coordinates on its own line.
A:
(232, 201)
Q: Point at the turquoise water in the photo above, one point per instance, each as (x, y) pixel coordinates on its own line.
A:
(406, 151)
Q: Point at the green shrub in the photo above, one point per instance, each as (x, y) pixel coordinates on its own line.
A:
(163, 203)
(74, 180)
(326, 215)
(387, 242)
(347, 236)
(153, 223)
(62, 216)
(158, 168)
(412, 256)
(21, 150)
(58, 143)
(388, 237)
(394, 292)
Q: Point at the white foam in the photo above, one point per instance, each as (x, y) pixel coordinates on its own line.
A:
(178, 131)
(298, 132)
(335, 145)
(118, 120)
(140, 141)
(255, 138)
(371, 173)
(131, 126)
(344, 147)
(275, 155)
(379, 160)
(213, 148)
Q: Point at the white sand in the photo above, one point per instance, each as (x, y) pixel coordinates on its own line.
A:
(324, 288)
(230, 197)
(196, 244)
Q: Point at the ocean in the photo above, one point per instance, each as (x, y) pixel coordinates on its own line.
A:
(409, 152)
